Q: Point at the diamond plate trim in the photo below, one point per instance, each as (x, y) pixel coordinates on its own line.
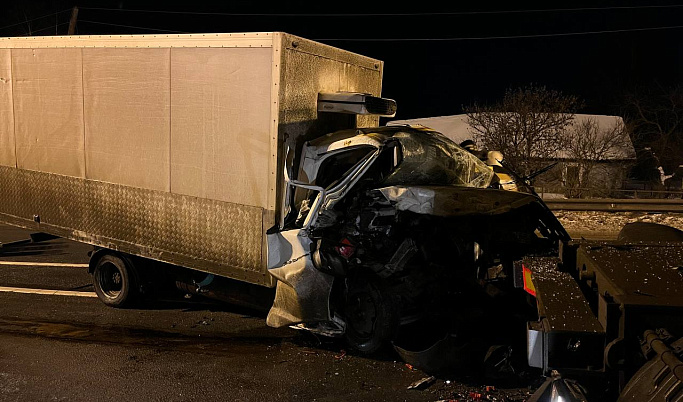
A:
(212, 236)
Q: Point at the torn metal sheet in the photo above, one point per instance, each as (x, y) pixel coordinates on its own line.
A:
(414, 199)
(422, 383)
(302, 293)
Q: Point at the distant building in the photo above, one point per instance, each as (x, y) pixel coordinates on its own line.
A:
(608, 175)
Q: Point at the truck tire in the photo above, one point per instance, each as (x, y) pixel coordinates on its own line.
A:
(371, 315)
(114, 281)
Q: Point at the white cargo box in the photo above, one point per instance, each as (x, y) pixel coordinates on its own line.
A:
(164, 146)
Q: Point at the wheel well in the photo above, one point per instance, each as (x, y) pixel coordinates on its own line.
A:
(95, 256)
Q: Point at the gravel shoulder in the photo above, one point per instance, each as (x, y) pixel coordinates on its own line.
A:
(606, 225)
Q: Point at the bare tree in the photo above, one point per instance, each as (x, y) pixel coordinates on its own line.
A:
(527, 126)
(656, 114)
(588, 144)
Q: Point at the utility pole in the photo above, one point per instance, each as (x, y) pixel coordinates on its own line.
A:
(72, 21)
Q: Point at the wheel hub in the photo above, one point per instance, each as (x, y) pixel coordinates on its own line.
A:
(111, 281)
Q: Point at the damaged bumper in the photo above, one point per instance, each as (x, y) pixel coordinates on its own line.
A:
(303, 292)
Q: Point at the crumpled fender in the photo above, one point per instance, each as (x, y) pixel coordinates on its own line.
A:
(303, 292)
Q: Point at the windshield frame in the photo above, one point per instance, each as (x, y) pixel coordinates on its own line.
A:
(430, 158)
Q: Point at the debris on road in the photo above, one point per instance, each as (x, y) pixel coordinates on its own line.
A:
(462, 392)
(341, 355)
(422, 383)
(309, 351)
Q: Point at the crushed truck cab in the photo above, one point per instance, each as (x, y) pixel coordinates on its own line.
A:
(398, 212)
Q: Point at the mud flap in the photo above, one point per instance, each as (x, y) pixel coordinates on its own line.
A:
(303, 292)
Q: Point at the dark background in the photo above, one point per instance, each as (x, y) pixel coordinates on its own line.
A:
(440, 72)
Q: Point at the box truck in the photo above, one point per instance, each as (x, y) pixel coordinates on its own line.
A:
(253, 157)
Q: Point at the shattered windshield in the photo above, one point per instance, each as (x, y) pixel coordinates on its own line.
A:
(429, 158)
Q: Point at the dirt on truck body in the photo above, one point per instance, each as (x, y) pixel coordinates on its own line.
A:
(389, 225)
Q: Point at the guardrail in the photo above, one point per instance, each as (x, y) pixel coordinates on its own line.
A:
(616, 204)
(614, 193)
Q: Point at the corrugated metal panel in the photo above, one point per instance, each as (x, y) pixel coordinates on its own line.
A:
(213, 236)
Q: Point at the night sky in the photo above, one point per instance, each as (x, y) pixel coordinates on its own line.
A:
(446, 68)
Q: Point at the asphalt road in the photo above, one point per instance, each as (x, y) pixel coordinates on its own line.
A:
(71, 347)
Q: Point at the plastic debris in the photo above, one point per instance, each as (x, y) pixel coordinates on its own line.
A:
(422, 383)
(341, 355)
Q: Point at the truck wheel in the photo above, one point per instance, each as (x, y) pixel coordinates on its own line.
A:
(114, 281)
(371, 315)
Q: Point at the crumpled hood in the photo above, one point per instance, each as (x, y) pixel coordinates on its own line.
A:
(455, 201)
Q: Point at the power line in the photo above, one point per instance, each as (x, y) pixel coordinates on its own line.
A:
(130, 26)
(33, 19)
(389, 14)
(560, 34)
(499, 37)
(44, 29)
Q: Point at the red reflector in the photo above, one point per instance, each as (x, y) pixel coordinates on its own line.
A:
(528, 284)
(346, 249)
